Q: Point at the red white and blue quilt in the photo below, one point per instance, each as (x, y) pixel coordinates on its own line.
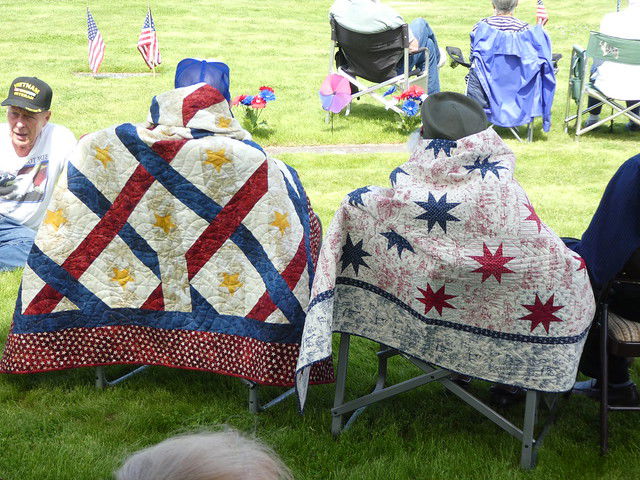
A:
(452, 265)
(178, 242)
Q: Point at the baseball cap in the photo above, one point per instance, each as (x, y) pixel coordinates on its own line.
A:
(29, 93)
(451, 116)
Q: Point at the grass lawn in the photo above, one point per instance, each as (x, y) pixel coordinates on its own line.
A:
(58, 426)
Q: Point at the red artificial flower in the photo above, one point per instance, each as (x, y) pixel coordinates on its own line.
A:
(414, 92)
(238, 99)
(266, 88)
(258, 102)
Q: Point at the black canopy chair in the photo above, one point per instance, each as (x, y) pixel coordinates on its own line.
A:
(374, 57)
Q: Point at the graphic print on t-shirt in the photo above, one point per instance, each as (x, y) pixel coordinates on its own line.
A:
(29, 183)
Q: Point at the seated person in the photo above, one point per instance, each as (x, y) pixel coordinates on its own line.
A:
(177, 242)
(371, 16)
(512, 73)
(609, 245)
(225, 455)
(32, 157)
(452, 265)
(616, 80)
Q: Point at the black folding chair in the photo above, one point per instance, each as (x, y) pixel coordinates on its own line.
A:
(374, 57)
(622, 338)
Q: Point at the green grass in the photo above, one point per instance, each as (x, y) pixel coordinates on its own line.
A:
(57, 426)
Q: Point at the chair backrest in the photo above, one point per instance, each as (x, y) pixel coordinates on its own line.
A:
(613, 49)
(372, 56)
(515, 71)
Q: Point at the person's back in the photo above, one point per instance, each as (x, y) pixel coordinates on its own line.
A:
(618, 80)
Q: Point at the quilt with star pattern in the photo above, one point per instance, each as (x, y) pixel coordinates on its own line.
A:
(178, 242)
(452, 265)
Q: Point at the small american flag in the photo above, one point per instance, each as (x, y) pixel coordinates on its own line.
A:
(148, 42)
(96, 44)
(541, 13)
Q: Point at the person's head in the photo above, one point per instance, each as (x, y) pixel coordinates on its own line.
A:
(193, 70)
(225, 455)
(504, 7)
(451, 116)
(29, 101)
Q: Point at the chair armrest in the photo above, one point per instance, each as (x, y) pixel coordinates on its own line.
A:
(457, 57)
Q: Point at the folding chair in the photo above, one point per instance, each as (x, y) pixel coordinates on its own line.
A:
(599, 49)
(374, 57)
(512, 75)
(431, 373)
(102, 382)
(622, 339)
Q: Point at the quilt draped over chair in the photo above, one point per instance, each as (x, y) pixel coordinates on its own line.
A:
(452, 265)
(178, 242)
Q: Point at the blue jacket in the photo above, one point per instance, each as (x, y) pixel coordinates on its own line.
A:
(614, 232)
(516, 74)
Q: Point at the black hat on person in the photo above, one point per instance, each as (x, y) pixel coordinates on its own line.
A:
(451, 116)
(29, 93)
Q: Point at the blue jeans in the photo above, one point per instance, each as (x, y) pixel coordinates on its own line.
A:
(15, 243)
(426, 38)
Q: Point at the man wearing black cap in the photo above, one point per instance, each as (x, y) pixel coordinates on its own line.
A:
(32, 157)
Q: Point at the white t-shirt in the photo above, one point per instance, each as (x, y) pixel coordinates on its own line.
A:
(35, 175)
(617, 80)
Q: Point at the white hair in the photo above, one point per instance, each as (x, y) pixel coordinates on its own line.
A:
(225, 455)
(505, 6)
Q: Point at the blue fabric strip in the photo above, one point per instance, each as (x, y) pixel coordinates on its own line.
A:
(93, 198)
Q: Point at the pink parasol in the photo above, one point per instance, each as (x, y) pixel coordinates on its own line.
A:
(335, 93)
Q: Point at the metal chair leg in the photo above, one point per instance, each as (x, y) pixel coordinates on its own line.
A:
(529, 450)
(604, 380)
(341, 379)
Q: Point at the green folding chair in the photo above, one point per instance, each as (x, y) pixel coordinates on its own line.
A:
(600, 48)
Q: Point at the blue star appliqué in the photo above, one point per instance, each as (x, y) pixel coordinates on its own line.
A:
(397, 240)
(436, 212)
(439, 144)
(355, 197)
(485, 166)
(394, 175)
(352, 255)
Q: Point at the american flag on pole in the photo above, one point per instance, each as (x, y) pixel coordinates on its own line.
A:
(541, 13)
(148, 42)
(96, 44)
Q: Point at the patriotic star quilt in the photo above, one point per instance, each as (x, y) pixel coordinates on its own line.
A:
(453, 266)
(176, 243)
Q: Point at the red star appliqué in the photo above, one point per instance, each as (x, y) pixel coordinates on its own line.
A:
(492, 263)
(533, 216)
(542, 313)
(437, 300)
(583, 264)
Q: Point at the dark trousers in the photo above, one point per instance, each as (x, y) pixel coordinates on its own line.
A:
(597, 110)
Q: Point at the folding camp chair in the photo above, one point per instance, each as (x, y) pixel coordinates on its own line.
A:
(600, 48)
(374, 57)
(102, 382)
(431, 373)
(512, 75)
(622, 339)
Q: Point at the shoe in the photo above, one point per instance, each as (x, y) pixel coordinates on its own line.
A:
(505, 395)
(590, 121)
(443, 57)
(632, 126)
(625, 395)
(461, 380)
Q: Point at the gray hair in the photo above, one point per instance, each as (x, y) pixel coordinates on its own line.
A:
(225, 455)
(505, 6)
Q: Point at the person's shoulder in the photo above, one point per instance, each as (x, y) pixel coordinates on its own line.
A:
(61, 133)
